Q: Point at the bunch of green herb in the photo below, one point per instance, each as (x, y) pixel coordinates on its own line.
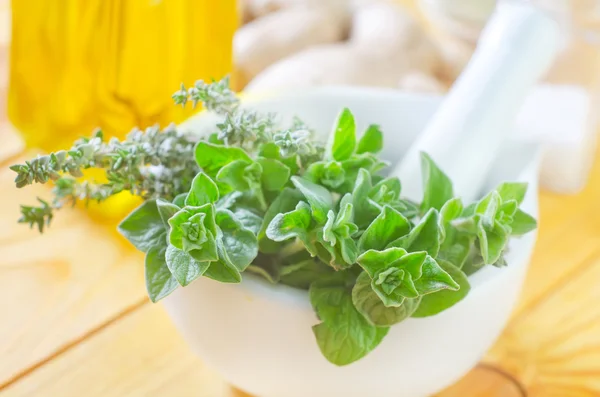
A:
(276, 203)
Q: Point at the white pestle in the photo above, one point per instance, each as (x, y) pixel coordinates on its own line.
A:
(515, 49)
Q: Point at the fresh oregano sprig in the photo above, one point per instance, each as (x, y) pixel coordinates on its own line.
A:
(256, 197)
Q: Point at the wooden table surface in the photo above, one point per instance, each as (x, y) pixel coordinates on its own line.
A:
(75, 320)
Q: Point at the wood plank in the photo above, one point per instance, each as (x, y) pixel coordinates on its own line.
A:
(142, 355)
(556, 259)
(485, 381)
(11, 143)
(557, 342)
(133, 362)
(55, 288)
(569, 235)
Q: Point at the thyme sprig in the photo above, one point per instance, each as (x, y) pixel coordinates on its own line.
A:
(155, 163)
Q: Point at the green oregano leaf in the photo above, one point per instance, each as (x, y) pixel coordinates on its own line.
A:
(522, 223)
(211, 157)
(439, 301)
(397, 275)
(275, 174)
(214, 139)
(248, 219)
(223, 269)
(492, 241)
(363, 211)
(179, 200)
(269, 274)
(344, 335)
(373, 261)
(437, 186)
(488, 207)
(268, 267)
(512, 191)
(241, 175)
(451, 210)
(336, 235)
(286, 201)
(352, 166)
(223, 272)
(269, 150)
(371, 141)
(469, 210)
(340, 227)
(342, 141)
(389, 226)
(340, 255)
(304, 272)
(193, 229)
(434, 278)
(230, 200)
(184, 268)
(456, 246)
(166, 210)
(390, 280)
(507, 210)
(387, 192)
(203, 191)
(159, 280)
(291, 224)
(239, 243)
(318, 197)
(425, 236)
(333, 174)
(143, 227)
(330, 174)
(370, 305)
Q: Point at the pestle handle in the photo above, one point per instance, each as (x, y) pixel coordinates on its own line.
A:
(516, 48)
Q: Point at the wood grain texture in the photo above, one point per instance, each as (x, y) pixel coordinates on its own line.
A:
(57, 287)
(126, 359)
(11, 144)
(486, 381)
(569, 237)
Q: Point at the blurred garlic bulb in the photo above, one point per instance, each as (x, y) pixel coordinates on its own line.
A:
(461, 18)
(464, 19)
